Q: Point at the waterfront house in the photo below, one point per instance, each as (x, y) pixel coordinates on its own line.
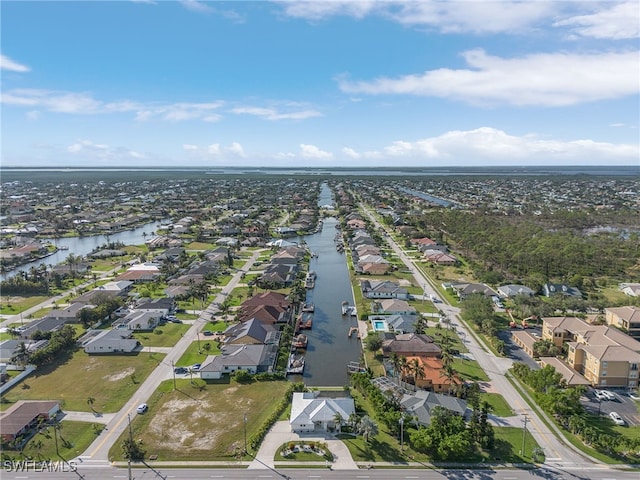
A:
(269, 307)
(317, 411)
(252, 331)
(409, 345)
(248, 357)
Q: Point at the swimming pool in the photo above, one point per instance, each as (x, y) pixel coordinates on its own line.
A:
(380, 326)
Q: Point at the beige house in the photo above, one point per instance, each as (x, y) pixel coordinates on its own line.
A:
(626, 318)
(605, 356)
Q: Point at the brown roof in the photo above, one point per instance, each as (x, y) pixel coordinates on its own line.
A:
(569, 374)
(20, 415)
(410, 344)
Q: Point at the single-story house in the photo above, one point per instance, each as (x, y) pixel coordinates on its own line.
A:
(393, 306)
(252, 331)
(410, 345)
(311, 411)
(421, 404)
(19, 419)
(252, 358)
(551, 289)
(141, 319)
(463, 290)
(509, 291)
(383, 289)
(117, 340)
(394, 323)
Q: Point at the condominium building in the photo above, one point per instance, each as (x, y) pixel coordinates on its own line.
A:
(603, 355)
(626, 318)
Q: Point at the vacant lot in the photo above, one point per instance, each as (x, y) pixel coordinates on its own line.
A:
(191, 423)
(109, 380)
(163, 336)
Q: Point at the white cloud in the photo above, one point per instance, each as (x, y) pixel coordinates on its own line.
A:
(85, 104)
(273, 114)
(620, 21)
(33, 115)
(87, 145)
(7, 64)
(189, 147)
(312, 152)
(90, 150)
(552, 79)
(486, 145)
(452, 16)
(351, 153)
(195, 6)
(236, 149)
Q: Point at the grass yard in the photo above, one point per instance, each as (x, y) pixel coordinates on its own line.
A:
(15, 305)
(199, 246)
(191, 423)
(437, 333)
(301, 455)
(469, 370)
(73, 439)
(192, 356)
(163, 336)
(216, 326)
(108, 379)
(499, 405)
(508, 445)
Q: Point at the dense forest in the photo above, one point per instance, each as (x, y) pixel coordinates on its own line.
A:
(536, 250)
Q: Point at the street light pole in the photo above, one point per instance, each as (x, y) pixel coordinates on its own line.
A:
(524, 433)
(173, 369)
(401, 434)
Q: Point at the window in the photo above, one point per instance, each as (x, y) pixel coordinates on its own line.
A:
(633, 374)
(605, 364)
(604, 374)
(634, 366)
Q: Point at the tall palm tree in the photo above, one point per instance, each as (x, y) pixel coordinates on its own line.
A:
(338, 420)
(396, 363)
(417, 370)
(450, 374)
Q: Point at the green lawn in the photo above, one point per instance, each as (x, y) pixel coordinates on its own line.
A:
(205, 421)
(192, 356)
(508, 446)
(163, 336)
(15, 305)
(438, 333)
(469, 370)
(301, 455)
(76, 378)
(499, 405)
(215, 326)
(73, 439)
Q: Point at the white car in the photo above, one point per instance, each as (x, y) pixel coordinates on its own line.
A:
(609, 395)
(617, 419)
(600, 395)
(142, 408)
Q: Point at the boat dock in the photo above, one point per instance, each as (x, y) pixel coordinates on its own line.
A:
(295, 365)
(355, 330)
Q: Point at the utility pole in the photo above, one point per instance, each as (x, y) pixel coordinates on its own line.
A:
(173, 369)
(401, 434)
(130, 447)
(524, 434)
(245, 433)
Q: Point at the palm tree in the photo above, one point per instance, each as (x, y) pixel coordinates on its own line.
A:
(450, 374)
(337, 419)
(367, 428)
(417, 370)
(396, 362)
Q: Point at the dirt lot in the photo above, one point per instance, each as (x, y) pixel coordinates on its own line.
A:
(193, 424)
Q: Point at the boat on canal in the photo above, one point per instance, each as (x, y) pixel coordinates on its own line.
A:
(308, 307)
(310, 281)
(300, 341)
(295, 365)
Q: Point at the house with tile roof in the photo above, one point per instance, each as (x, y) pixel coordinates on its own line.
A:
(626, 318)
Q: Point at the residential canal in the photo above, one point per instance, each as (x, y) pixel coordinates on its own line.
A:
(84, 245)
(330, 349)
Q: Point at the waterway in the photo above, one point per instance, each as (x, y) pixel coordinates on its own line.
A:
(84, 245)
(329, 350)
(426, 196)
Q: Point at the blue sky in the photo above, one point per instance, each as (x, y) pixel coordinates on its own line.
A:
(357, 83)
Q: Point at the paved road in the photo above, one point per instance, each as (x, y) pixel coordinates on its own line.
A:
(379, 472)
(558, 454)
(98, 451)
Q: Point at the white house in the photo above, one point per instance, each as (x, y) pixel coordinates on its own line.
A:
(252, 358)
(312, 412)
(110, 341)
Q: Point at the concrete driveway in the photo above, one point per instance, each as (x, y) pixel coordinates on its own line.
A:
(281, 433)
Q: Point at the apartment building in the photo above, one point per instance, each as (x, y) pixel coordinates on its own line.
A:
(626, 318)
(605, 356)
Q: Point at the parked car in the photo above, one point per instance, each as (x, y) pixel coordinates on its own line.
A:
(207, 333)
(633, 395)
(609, 395)
(180, 370)
(600, 395)
(195, 367)
(142, 408)
(617, 419)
